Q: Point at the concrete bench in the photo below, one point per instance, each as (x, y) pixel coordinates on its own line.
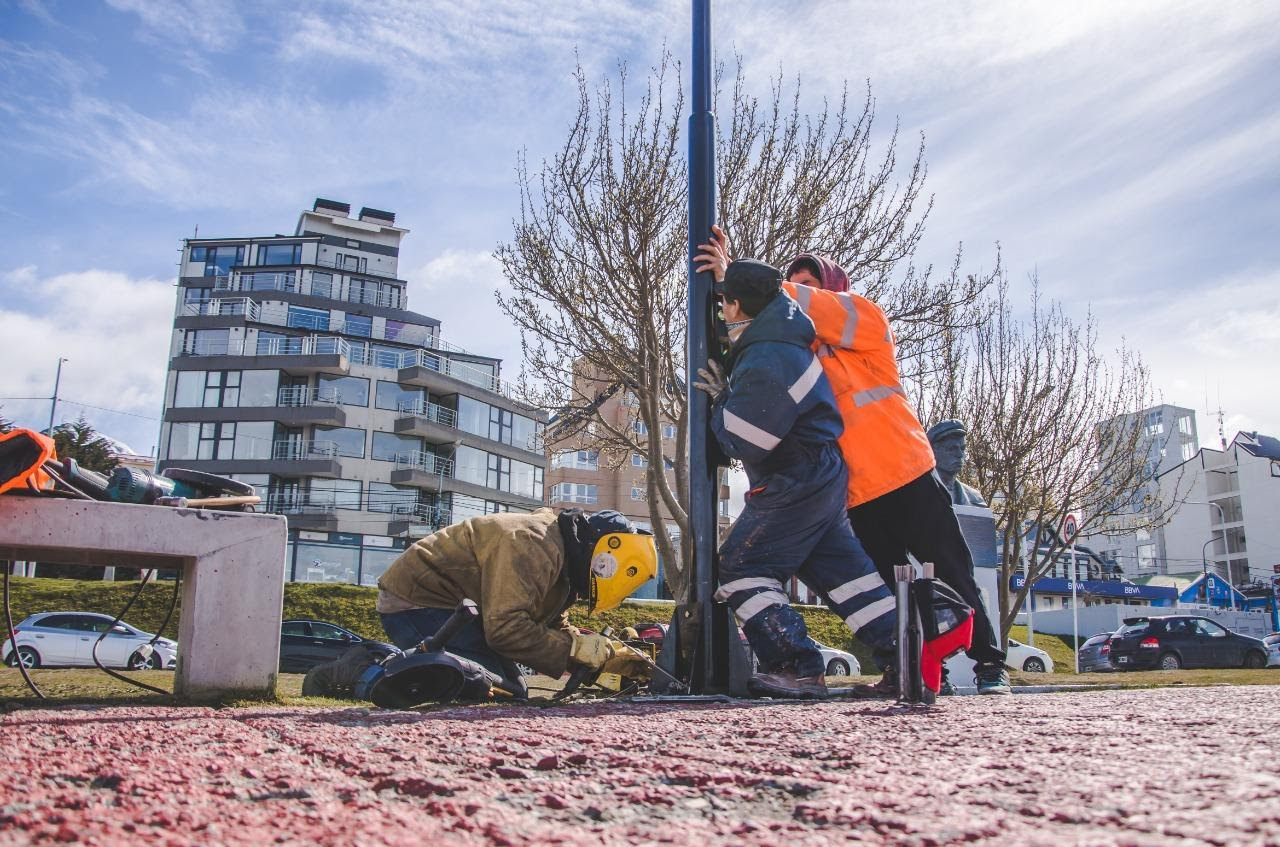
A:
(232, 567)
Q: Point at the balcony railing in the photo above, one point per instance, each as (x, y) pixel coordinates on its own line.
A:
(301, 503)
(430, 411)
(429, 462)
(435, 517)
(469, 374)
(258, 281)
(303, 396)
(311, 345)
(295, 451)
(222, 307)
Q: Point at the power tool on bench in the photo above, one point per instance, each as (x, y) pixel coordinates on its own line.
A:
(134, 485)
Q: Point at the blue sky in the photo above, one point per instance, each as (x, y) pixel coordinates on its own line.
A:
(1129, 153)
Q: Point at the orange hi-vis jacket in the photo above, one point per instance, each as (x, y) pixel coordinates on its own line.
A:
(883, 443)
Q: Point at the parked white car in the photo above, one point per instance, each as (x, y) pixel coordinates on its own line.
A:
(1273, 649)
(1024, 657)
(840, 663)
(1018, 656)
(65, 639)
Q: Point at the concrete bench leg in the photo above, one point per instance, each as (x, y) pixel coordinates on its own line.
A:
(229, 633)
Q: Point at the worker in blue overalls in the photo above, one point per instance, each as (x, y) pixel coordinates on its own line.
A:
(777, 414)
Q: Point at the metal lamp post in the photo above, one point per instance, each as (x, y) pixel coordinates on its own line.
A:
(707, 653)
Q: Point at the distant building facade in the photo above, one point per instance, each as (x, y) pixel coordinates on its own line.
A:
(582, 475)
(295, 365)
(1231, 513)
(1170, 438)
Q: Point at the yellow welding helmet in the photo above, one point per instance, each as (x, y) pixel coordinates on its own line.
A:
(620, 563)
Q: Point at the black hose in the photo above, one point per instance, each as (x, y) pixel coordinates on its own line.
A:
(13, 636)
(142, 584)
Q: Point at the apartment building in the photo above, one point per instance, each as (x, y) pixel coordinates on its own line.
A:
(581, 475)
(296, 365)
(1227, 522)
(1169, 439)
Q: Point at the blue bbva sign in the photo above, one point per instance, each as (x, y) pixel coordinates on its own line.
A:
(1096, 588)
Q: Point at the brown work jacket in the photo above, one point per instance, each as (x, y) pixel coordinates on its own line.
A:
(512, 565)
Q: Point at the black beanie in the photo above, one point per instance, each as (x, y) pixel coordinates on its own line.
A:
(751, 283)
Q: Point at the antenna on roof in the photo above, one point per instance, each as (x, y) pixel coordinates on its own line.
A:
(197, 233)
(1222, 431)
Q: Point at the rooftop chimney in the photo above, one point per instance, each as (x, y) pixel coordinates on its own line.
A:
(343, 209)
(378, 215)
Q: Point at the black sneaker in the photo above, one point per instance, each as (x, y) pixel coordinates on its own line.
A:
(785, 683)
(992, 679)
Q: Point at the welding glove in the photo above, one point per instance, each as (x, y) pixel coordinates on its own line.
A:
(713, 382)
(604, 654)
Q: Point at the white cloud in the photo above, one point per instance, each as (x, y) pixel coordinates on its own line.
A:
(1218, 344)
(113, 329)
(187, 25)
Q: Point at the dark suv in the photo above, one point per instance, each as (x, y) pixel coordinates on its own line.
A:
(1182, 641)
(307, 643)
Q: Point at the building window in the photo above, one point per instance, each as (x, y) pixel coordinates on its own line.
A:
(279, 254)
(222, 388)
(384, 497)
(217, 441)
(361, 325)
(397, 397)
(321, 284)
(630, 400)
(1146, 557)
(188, 389)
(639, 428)
(638, 493)
(573, 492)
(668, 430)
(499, 473)
(582, 460)
(350, 390)
(638, 461)
(350, 440)
(338, 493)
(388, 447)
(1188, 450)
(471, 465)
(314, 319)
(218, 261)
(500, 425)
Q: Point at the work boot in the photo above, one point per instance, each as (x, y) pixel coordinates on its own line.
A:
(887, 687)
(785, 683)
(992, 679)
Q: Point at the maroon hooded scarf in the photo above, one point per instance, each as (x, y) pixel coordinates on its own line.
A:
(831, 275)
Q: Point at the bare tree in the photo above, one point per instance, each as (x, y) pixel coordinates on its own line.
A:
(597, 263)
(1053, 428)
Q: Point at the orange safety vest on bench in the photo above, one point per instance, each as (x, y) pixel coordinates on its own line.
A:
(883, 443)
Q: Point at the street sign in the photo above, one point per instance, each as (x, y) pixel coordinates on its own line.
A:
(1070, 527)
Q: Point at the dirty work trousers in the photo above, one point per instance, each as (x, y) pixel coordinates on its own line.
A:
(917, 518)
(794, 524)
(409, 628)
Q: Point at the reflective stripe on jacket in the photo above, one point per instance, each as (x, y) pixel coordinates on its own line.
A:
(883, 443)
(778, 410)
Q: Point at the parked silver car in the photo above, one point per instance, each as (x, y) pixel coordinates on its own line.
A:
(66, 639)
(1095, 654)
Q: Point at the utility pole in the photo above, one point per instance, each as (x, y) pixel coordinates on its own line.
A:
(706, 652)
(53, 407)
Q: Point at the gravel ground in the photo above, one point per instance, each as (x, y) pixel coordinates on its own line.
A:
(1137, 767)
